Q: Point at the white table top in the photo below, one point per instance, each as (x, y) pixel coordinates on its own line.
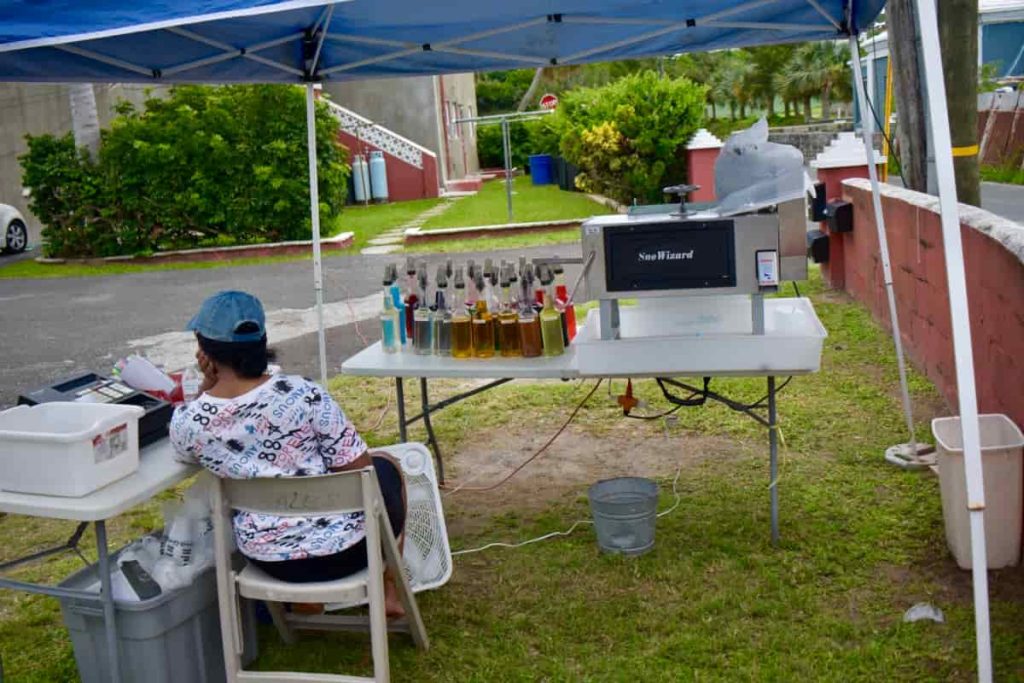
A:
(374, 362)
(158, 471)
(658, 341)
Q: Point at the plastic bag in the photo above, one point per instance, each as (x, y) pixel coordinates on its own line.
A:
(752, 173)
(187, 544)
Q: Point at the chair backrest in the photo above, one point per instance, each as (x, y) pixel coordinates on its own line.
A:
(290, 496)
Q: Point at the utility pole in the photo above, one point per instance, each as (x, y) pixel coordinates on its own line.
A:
(901, 24)
(958, 33)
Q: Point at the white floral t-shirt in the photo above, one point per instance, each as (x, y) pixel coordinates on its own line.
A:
(286, 427)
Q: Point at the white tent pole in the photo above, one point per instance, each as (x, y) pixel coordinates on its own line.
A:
(938, 117)
(314, 211)
(868, 134)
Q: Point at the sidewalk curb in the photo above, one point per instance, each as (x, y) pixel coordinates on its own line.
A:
(336, 243)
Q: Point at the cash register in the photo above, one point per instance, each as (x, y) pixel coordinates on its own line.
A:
(91, 387)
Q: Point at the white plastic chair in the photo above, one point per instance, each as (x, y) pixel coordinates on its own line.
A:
(311, 496)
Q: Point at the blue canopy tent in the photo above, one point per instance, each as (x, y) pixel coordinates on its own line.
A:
(311, 41)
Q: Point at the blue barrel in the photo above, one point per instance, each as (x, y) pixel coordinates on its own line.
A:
(378, 177)
(540, 169)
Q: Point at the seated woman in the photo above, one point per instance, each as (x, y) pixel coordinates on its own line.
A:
(247, 423)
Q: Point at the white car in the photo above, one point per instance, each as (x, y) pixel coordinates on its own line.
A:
(13, 231)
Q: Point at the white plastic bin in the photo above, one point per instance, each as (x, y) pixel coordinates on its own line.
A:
(67, 449)
(1001, 451)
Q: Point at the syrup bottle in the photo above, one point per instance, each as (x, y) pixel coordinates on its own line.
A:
(462, 323)
(390, 337)
(397, 302)
(508, 319)
(551, 319)
(423, 326)
(412, 300)
(566, 307)
(483, 325)
(530, 343)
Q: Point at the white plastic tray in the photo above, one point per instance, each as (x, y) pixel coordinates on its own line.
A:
(703, 336)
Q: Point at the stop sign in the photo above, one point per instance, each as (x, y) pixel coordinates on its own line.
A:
(549, 101)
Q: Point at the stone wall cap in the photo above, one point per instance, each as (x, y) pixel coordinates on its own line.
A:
(846, 150)
(704, 139)
(1008, 233)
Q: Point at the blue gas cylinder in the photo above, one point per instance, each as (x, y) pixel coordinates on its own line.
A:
(378, 177)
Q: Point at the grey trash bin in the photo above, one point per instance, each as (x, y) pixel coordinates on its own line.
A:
(172, 638)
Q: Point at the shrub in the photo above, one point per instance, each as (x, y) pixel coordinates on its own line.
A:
(629, 137)
(523, 136)
(205, 165)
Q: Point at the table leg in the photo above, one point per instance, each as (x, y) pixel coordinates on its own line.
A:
(400, 398)
(107, 596)
(773, 446)
(431, 438)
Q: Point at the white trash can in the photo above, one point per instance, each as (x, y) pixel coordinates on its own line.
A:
(1001, 452)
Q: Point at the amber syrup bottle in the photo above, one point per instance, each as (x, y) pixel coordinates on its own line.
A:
(462, 323)
(508, 320)
(483, 325)
(530, 344)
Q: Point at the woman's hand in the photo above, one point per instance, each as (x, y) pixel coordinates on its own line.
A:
(209, 370)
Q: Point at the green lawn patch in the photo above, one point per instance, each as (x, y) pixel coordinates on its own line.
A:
(32, 270)
(530, 204)
(508, 241)
(861, 542)
(1010, 173)
(366, 222)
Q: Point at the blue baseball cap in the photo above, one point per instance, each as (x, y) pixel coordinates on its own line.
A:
(230, 317)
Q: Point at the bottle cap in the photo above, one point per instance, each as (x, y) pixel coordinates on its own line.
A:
(410, 266)
(448, 267)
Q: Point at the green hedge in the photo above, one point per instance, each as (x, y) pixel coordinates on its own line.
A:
(205, 165)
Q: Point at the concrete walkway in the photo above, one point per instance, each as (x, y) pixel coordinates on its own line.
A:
(392, 240)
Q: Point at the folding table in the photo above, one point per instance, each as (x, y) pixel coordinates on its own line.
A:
(158, 471)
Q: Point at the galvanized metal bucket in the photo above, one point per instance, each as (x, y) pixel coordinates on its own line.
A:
(625, 512)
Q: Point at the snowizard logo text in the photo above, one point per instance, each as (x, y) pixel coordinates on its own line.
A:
(664, 255)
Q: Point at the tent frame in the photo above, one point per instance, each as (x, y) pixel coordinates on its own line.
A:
(314, 37)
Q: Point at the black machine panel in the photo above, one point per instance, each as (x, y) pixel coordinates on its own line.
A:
(680, 255)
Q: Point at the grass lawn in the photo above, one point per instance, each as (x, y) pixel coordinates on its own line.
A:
(861, 542)
(369, 221)
(1010, 173)
(530, 203)
(530, 239)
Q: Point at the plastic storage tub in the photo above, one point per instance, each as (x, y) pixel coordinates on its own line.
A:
(67, 449)
(172, 638)
(1001, 446)
(703, 335)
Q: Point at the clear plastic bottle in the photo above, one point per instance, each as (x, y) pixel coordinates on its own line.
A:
(412, 299)
(423, 338)
(440, 316)
(191, 381)
(390, 323)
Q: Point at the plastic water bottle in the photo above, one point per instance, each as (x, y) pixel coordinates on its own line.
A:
(190, 383)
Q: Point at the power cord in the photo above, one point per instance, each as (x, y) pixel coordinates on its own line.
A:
(536, 454)
(575, 525)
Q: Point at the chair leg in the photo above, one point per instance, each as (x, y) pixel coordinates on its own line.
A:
(393, 559)
(280, 620)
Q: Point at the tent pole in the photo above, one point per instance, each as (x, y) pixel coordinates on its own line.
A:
(314, 210)
(868, 134)
(938, 117)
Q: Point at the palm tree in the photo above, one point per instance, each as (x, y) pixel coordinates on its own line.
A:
(818, 68)
(85, 120)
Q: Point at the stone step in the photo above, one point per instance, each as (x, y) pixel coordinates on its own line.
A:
(386, 239)
(383, 249)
